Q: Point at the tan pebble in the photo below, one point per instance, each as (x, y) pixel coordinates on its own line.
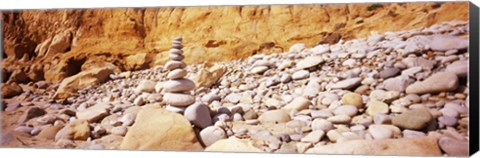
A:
(460, 96)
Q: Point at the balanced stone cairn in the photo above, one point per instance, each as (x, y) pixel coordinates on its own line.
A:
(177, 88)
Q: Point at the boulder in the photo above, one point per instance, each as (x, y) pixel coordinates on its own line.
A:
(233, 144)
(146, 86)
(11, 90)
(50, 132)
(418, 146)
(60, 43)
(309, 62)
(76, 130)
(353, 99)
(69, 86)
(299, 103)
(274, 116)
(136, 61)
(212, 134)
(178, 85)
(441, 42)
(198, 114)
(347, 84)
(56, 72)
(459, 67)
(94, 113)
(209, 75)
(439, 82)
(158, 129)
(178, 99)
(32, 112)
(36, 73)
(415, 119)
(18, 76)
(454, 147)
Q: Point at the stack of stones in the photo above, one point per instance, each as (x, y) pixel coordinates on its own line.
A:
(178, 89)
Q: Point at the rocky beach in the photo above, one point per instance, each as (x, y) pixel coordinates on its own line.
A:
(402, 92)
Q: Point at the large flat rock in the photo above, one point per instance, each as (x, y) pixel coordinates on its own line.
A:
(417, 146)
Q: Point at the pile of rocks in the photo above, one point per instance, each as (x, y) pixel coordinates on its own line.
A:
(178, 88)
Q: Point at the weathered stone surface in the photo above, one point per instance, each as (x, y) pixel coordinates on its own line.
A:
(380, 131)
(171, 65)
(439, 82)
(178, 99)
(416, 119)
(18, 76)
(347, 84)
(274, 116)
(298, 104)
(313, 137)
(211, 135)
(208, 76)
(459, 67)
(50, 132)
(60, 43)
(70, 85)
(309, 62)
(11, 90)
(94, 113)
(297, 48)
(177, 74)
(146, 86)
(259, 69)
(159, 129)
(178, 85)
(352, 99)
(136, 61)
(76, 130)
(447, 42)
(376, 107)
(233, 144)
(198, 114)
(384, 96)
(418, 146)
(398, 84)
(454, 147)
(302, 74)
(84, 42)
(32, 112)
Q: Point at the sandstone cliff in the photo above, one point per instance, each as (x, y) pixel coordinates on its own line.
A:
(54, 44)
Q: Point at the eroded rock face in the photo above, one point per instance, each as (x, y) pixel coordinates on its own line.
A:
(80, 35)
(11, 90)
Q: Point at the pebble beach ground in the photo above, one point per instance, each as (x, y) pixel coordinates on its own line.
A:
(397, 93)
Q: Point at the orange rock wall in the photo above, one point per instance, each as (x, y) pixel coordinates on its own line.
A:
(210, 33)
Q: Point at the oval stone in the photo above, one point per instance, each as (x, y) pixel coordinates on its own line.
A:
(177, 57)
(198, 114)
(309, 62)
(170, 65)
(178, 99)
(175, 51)
(176, 74)
(179, 85)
